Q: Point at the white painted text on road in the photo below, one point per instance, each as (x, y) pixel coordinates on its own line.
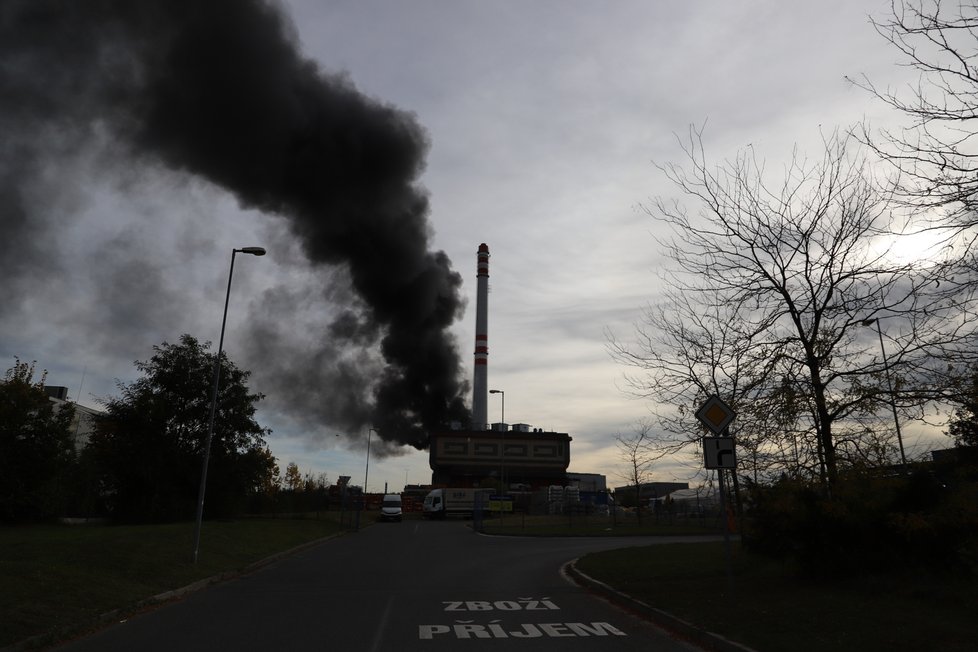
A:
(521, 604)
(468, 629)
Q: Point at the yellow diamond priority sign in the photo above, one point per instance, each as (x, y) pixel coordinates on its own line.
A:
(715, 414)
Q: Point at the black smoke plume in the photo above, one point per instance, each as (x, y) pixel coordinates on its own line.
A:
(218, 89)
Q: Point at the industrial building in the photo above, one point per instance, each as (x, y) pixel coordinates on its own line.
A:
(514, 458)
(521, 458)
(588, 482)
(648, 491)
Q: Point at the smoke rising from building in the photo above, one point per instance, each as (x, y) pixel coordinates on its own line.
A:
(219, 90)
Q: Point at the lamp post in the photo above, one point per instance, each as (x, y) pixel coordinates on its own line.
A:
(254, 251)
(502, 446)
(366, 471)
(889, 386)
(503, 397)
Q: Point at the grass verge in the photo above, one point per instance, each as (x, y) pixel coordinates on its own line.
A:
(771, 609)
(594, 526)
(59, 579)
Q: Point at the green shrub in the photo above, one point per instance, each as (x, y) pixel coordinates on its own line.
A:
(871, 521)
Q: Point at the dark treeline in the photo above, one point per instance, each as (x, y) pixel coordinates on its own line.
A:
(142, 458)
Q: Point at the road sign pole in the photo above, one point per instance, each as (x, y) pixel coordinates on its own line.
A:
(727, 557)
(721, 453)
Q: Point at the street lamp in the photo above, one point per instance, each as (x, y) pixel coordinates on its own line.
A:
(254, 251)
(889, 386)
(366, 471)
(503, 396)
(502, 446)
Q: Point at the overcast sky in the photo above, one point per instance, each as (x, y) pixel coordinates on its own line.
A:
(544, 119)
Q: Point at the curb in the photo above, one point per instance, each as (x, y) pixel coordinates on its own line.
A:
(698, 635)
(52, 638)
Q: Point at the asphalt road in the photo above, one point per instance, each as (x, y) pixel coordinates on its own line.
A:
(416, 585)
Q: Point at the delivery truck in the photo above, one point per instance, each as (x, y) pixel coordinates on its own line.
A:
(440, 503)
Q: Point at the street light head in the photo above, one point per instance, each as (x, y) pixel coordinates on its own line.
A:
(868, 322)
(254, 251)
(495, 391)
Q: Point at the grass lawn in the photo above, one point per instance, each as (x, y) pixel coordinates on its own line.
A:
(596, 526)
(770, 609)
(57, 578)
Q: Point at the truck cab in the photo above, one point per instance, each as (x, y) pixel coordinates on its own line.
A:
(433, 505)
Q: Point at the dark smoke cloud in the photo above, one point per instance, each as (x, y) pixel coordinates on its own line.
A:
(218, 90)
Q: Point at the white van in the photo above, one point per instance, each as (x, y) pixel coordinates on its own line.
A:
(390, 509)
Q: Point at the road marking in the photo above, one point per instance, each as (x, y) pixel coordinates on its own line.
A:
(383, 626)
(521, 604)
(493, 629)
(468, 629)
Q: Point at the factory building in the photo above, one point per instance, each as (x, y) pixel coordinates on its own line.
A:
(522, 458)
(630, 494)
(588, 482)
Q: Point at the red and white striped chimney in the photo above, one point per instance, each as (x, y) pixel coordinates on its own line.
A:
(480, 386)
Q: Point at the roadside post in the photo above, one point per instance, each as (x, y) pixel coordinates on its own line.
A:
(719, 452)
(478, 506)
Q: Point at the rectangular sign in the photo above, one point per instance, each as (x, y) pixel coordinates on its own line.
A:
(719, 453)
(501, 503)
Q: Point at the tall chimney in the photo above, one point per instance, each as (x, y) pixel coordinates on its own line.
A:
(480, 387)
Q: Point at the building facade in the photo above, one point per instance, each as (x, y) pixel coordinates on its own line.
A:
(522, 458)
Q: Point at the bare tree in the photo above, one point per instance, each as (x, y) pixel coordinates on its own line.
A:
(639, 452)
(690, 346)
(937, 152)
(771, 287)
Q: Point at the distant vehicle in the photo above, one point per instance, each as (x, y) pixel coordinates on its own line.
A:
(440, 503)
(390, 509)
